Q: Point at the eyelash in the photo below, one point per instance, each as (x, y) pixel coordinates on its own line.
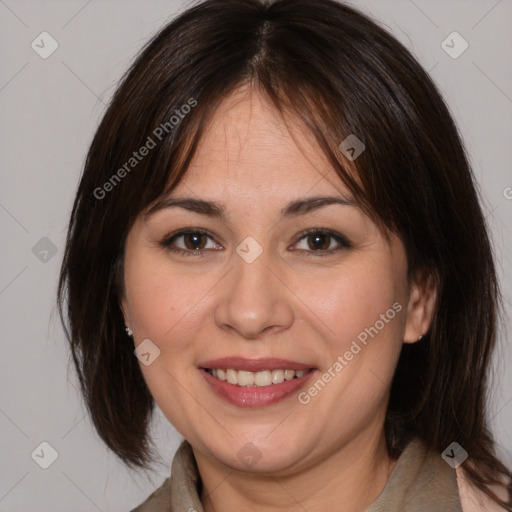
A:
(342, 241)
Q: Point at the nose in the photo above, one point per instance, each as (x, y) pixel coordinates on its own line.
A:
(255, 299)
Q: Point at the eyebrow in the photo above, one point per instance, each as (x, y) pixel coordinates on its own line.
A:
(217, 210)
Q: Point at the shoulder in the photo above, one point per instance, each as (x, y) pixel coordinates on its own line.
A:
(473, 499)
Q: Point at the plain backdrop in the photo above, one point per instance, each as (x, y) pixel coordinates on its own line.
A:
(50, 109)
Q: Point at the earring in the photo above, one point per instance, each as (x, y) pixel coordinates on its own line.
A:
(421, 336)
(129, 332)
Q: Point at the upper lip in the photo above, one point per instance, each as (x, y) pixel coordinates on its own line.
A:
(254, 365)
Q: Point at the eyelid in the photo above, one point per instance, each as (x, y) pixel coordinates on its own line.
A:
(343, 242)
(168, 239)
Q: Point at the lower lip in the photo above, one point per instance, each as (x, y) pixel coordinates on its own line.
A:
(255, 396)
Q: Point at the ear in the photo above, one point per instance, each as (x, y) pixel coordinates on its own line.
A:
(421, 306)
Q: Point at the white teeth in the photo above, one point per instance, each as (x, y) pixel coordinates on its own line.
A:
(261, 379)
(289, 374)
(245, 378)
(277, 376)
(232, 376)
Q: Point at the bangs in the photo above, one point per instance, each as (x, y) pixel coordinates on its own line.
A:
(303, 110)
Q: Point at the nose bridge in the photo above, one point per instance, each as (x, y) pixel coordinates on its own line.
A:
(254, 299)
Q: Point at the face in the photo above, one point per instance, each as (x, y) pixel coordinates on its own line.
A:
(315, 284)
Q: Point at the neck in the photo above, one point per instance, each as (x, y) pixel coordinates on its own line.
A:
(349, 478)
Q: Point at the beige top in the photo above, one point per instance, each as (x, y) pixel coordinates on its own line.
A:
(421, 481)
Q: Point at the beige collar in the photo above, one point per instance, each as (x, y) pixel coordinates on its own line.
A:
(421, 481)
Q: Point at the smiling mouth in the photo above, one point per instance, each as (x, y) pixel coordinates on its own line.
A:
(261, 378)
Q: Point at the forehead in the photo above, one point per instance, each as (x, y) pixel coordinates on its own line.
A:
(248, 149)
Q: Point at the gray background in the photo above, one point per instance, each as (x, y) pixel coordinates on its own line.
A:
(50, 109)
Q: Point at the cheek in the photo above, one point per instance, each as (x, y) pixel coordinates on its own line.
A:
(351, 301)
(152, 303)
(161, 306)
(170, 307)
(158, 298)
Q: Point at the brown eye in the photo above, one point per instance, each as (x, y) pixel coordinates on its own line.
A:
(188, 242)
(321, 242)
(194, 240)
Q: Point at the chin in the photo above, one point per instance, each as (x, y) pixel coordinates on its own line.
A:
(268, 454)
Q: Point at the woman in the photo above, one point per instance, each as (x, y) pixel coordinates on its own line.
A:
(277, 240)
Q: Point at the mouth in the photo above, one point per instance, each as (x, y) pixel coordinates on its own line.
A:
(262, 378)
(255, 382)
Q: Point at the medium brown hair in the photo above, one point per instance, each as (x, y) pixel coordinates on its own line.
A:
(339, 73)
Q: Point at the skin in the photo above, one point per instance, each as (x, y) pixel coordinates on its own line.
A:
(290, 303)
